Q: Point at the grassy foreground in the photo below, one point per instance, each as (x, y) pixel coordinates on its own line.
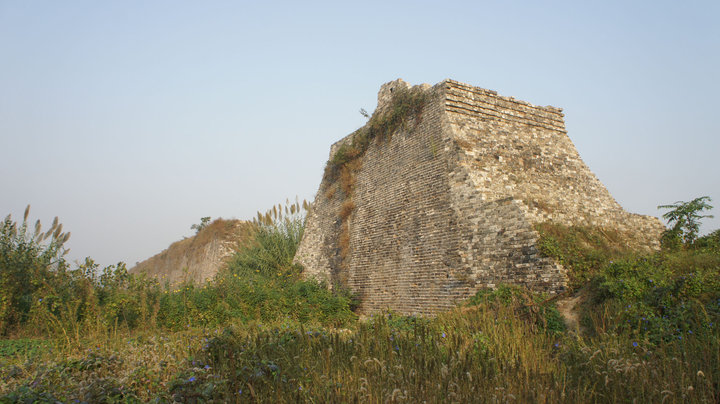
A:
(260, 333)
(485, 353)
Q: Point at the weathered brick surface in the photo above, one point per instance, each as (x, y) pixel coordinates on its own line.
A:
(198, 258)
(447, 204)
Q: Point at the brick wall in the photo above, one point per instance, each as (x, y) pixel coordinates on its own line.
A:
(447, 204)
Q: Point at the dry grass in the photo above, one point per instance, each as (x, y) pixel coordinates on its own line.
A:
(472, 354)
(344, 240)
(347, 208)
(348, 175)
(330, 192)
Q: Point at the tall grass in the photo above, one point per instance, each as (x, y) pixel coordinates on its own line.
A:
(259, 283)
(485, 352)
(260, 333)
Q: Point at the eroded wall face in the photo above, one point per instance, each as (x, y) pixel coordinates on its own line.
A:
(513, 149)
(404, 237)
(487, 132)
(447, 205)
(403, 230)
(196, 259)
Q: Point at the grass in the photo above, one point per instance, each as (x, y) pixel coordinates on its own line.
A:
(479, 353)
(260, 283)
(584, 249)
(259, 333)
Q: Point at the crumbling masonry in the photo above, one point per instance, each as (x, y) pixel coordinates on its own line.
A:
(446, 204)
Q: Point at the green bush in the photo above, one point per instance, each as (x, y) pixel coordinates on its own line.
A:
(535, 307)
(260, 283)
(684, 217)
(29, 261)
(41, 293)
(583, 250)
(272, 249)
(664, 296)
(127, 299)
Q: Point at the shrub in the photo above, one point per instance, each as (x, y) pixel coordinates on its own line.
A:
(536, 308)
(261, 282)
(28, 263)
(662, 297)
(204, 222)
(583, 250)
(272, 248)
(684, 217)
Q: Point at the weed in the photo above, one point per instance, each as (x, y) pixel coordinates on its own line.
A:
(258, 333)
(584, 250)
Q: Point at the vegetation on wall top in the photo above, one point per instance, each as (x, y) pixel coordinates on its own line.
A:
(405, 104)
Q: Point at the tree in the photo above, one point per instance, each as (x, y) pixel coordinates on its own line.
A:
(684, 219)
(203, 224)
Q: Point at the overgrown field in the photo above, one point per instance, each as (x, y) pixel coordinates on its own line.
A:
(260, 333)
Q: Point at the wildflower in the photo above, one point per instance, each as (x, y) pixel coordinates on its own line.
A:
(557, 345)
(635, 344)
(443, 335)
(240, 391)
(191, 379)
(207, 367)
(40, 299)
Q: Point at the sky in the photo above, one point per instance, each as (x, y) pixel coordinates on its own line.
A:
(131, 120)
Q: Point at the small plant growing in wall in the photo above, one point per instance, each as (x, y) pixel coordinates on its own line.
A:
(203, 224)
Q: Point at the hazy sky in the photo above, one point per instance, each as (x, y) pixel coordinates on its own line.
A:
(130, 120)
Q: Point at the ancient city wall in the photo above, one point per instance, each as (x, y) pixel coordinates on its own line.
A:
(510, 148)
(198, 258)
(447, 204)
